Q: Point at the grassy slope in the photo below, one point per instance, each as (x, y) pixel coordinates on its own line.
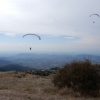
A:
(32, 87)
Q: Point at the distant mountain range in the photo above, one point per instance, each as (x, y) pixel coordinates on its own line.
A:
(42, 61)
(14, 67)
(4, 62)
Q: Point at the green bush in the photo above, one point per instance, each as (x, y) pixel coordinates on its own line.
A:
(81, 76)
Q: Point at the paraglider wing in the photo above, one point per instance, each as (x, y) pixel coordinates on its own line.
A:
(32, 34)
(95, 14)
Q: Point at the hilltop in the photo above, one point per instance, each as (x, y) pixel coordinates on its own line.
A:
(33, 87)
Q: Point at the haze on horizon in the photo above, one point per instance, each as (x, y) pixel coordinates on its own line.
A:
(63, 25)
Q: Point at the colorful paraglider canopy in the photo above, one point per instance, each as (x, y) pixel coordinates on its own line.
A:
(32, 34)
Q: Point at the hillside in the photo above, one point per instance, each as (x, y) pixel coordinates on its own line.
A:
(14, 67)
(47, 61)
(33, 87)
(4, 62)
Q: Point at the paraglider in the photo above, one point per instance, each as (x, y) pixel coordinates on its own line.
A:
(94, 15)
(32, 34)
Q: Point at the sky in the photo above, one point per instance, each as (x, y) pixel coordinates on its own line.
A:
(65, 26)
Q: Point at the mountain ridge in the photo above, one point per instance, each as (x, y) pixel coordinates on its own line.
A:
(46, 61)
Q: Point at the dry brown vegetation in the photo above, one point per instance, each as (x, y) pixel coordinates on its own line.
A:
(33, 87)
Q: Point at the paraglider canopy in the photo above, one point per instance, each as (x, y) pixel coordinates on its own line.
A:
(32, 34)
(95, 14)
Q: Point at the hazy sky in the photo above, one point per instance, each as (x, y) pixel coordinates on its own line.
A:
(63, 25)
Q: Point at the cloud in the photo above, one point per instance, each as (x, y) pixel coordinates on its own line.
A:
(54, 17)
(68, 19)
(45, 17)
(11, 34)
(70, 37)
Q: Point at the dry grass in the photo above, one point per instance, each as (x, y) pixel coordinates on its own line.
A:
(65, 91)
(32, 87)
(50, 89)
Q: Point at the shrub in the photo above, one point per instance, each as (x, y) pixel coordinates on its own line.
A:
(81, 76)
